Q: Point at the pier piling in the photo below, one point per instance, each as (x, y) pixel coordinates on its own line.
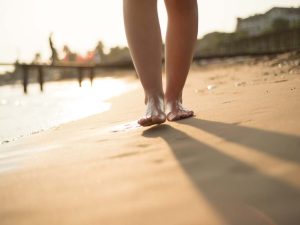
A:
(41, 78)
(80, 75)
(25, 78)
(92, 75)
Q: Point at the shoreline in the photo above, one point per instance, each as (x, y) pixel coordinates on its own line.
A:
(58, 107)
(236, 162)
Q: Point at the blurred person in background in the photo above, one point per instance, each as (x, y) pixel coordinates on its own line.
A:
(54, 55)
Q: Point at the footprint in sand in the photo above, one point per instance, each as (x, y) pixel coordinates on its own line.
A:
(125, 127)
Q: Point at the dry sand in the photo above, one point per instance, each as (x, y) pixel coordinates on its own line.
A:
(236, 162)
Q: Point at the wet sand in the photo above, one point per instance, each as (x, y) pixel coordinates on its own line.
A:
(236, 162)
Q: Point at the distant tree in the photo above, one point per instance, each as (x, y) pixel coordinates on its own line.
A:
(69, 55)
(99, 52)
(115, 51)
(37, 58)
(212, 41)
(118, 54)
(280, 24)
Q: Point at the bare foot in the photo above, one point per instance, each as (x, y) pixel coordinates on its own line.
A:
(175, 111)
(154, 112)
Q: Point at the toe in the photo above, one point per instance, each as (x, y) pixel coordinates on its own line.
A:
(186, 114)
(173, 116)
(159, 119)
(144, 121)
(148, 121)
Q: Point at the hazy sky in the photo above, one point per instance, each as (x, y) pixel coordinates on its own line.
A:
(25, 24)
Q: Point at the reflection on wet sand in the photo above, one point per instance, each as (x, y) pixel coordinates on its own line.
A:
(61, 102)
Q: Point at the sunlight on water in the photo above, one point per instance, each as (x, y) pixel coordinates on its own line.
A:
(61, 102)
(4, 69)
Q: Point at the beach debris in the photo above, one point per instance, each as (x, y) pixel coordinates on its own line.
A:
(197, 91)
(211, 87)
(240, 83)
(280, 81)
(5, 142)
(226, 102)
(36, 132)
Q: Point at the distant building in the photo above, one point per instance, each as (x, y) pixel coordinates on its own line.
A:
(258, 24)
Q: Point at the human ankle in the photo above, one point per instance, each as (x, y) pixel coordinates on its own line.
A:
(173, 99)
(170, 96)
(154, 96)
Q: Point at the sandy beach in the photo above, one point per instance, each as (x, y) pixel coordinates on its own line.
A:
(236, 162)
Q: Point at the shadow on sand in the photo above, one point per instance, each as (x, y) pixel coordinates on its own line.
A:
(238, 192)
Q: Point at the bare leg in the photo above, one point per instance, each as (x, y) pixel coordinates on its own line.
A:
(145, 44)
(180, 41)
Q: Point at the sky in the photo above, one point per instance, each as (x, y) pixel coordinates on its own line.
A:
(25, 25)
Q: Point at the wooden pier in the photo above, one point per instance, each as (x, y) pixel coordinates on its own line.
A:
(81, 69)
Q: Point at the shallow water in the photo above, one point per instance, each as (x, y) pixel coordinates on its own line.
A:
(61, 102)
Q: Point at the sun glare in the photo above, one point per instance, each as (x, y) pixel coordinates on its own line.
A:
(25, 25)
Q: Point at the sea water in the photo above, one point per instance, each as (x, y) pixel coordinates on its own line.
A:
(61, 102)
